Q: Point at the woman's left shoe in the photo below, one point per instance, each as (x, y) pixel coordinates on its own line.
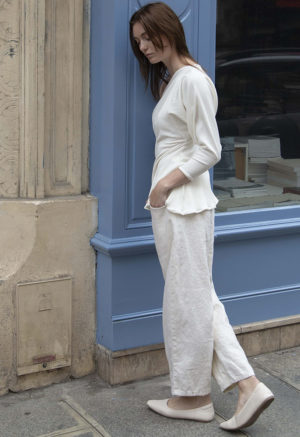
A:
(202, 414)
(260, 399)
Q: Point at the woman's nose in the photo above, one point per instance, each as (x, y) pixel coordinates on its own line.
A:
(143, 46)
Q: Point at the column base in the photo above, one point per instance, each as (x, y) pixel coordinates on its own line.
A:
(47, 291)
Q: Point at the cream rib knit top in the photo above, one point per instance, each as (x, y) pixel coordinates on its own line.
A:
(187, 138)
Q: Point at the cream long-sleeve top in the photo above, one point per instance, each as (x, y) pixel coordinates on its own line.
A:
(187, 138)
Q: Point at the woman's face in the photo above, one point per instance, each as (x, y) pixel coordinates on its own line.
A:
(146, 46)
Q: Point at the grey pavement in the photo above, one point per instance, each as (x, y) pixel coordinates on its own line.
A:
(88, 407)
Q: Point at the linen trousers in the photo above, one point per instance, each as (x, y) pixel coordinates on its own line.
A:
(199, 340)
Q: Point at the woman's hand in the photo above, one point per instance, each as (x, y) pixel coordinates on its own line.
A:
(158, 195)
(162, 189)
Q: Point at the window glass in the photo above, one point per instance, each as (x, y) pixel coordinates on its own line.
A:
(258, 85)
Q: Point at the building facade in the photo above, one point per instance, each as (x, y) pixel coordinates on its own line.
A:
(81, 286)
(256, 249)
(47, 216)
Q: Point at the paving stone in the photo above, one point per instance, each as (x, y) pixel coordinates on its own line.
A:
(284, 364)
(22, 415)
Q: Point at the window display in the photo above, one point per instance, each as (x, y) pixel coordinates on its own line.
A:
(258, 84)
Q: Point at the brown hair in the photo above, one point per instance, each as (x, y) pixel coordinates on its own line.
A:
(159, 20)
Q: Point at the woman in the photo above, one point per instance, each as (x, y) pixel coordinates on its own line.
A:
(199, 340)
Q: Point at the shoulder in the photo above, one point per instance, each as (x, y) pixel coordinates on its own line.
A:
(193, 76)
(195, 82)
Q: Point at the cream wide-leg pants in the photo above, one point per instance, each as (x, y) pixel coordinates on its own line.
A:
(199, 340)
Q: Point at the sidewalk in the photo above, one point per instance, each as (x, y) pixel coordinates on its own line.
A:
(88, 407)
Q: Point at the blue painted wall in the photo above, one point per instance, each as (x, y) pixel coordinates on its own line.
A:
(256, 252)
(256, 263)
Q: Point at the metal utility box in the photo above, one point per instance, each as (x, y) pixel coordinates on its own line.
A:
(44, 311)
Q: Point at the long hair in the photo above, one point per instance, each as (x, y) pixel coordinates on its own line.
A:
(159, 20)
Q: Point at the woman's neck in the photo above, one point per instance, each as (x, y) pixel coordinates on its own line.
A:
(174, 62)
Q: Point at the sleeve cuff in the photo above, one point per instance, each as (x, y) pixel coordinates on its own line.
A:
(186, 173)
(193, 168)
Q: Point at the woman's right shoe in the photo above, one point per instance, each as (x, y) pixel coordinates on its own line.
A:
(260, 399)
(202, 414)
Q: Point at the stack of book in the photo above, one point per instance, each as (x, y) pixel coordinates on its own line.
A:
(238, 188)
(257, 169)
(260, 149)
(258, 202)
(221, 194)
(284, 172)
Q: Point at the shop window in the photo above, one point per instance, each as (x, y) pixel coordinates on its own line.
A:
(258, 84)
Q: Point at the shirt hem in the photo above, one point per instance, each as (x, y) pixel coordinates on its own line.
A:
(176, 211)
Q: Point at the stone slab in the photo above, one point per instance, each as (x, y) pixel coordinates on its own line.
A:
(32, 413)
(284, 365)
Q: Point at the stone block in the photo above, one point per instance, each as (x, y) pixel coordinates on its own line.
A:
(124, 366)
(290, 336)
(47, 240)
(259, 342)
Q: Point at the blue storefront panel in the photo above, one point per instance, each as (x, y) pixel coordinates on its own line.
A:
(256, 252)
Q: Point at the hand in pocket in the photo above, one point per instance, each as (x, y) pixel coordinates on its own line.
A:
(158, 196)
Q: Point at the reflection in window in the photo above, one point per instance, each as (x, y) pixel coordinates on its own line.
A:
(258, 84)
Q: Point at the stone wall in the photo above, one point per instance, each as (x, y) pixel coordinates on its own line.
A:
(47, 217)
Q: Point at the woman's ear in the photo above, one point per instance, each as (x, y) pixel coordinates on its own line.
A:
(166, 42)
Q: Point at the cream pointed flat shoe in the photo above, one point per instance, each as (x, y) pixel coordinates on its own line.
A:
(259, 400)
(202, 414)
